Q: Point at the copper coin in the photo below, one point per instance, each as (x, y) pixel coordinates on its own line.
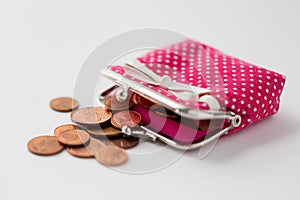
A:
(111, 155)
(64, 104)
(65, 127)
(87, 151)
(125, 142)
(142, 101)
(107, 131)
(112, 103)
(114, 123)
(74, 137)
(45, 145)
(126, 118)
(206, 124)
(91, 116)
(160, 110)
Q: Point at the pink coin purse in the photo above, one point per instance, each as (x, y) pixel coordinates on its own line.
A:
(201, 93)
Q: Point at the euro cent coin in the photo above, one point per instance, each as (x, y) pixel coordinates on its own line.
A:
(91, 116)
(64, 104)
(125, 142)
(65, 127)
(74, 137)
(111, 155)
(45, 145)
(111, 103)
(87, 151)
(104, 132)
(126, 118)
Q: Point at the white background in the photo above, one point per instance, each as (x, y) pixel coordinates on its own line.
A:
(42, 47)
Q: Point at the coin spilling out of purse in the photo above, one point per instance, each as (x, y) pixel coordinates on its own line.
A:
(180, 111)
(96, 132)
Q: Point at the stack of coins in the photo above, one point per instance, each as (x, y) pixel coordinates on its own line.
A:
(95, 134)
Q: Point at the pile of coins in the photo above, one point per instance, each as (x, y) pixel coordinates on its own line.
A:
(97, 130)
(95, 134)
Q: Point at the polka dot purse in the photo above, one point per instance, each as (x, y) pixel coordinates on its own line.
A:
(189, 94)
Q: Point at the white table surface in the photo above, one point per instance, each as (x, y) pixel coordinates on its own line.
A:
(43, 46)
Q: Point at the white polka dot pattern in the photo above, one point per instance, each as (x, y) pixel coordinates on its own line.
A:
(248, 90)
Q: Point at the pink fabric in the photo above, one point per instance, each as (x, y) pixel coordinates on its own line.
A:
(170, 128)
(200, 105)
(246, 89)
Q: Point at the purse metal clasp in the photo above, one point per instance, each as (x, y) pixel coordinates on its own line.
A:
(124, 85)
(145, 133)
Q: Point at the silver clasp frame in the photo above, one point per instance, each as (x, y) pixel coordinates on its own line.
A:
(124, 85)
